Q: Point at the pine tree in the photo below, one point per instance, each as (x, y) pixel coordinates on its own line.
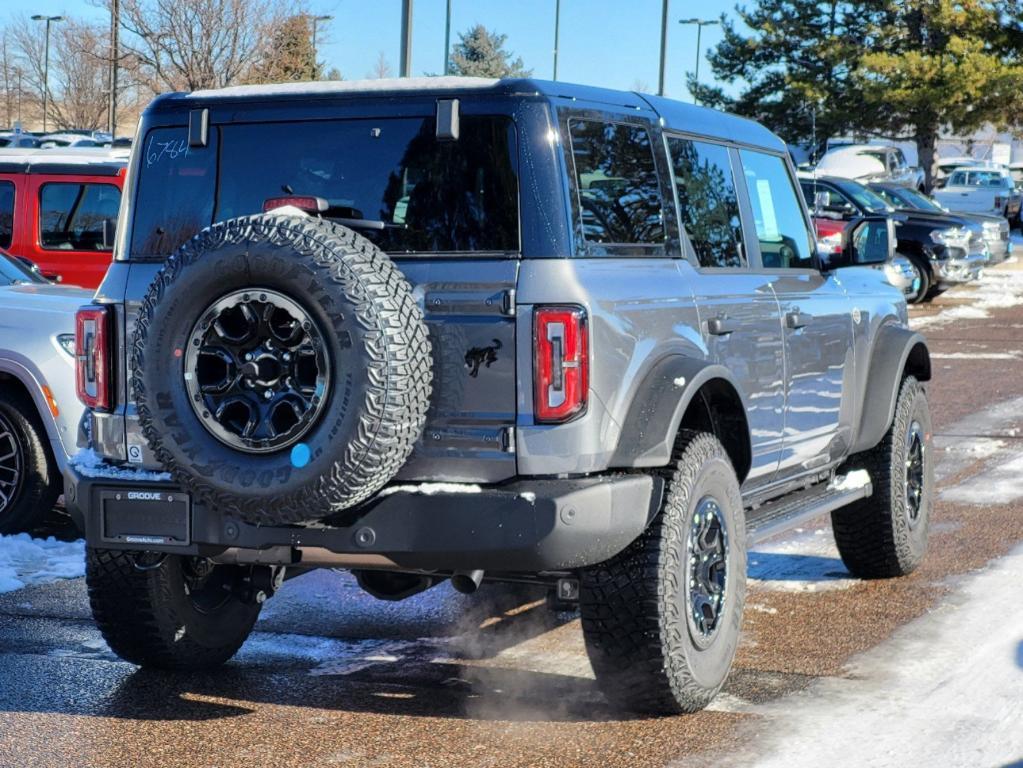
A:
(901, 69)
(795, 64)
(289, 56)
(480, 53)
(935, 64)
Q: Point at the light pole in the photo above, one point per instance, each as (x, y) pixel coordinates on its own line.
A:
(115, 23)
(406, 38)
(557, 30)
(664, 46)
(46, 60)
(316, 21)
(447, 40)
(700, 24)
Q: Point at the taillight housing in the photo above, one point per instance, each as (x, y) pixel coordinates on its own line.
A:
(93, 361)
(561, 363)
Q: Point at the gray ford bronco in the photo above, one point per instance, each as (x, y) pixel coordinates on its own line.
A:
(483, 330)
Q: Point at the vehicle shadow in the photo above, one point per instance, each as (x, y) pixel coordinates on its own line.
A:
(773, 566)
(458, 676)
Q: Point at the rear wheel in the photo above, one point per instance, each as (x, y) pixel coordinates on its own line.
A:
(29, 479)
(661, 619)
(885, 534)
(173, 612)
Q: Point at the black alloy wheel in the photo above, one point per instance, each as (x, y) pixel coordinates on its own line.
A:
(257, 370)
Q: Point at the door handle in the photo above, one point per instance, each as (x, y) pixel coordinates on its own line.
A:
(721, 326)
(796, 320)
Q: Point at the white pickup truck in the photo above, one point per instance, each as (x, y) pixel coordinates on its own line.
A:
(981, 190)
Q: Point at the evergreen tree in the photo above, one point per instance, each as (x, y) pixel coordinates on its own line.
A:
(935, 64)
(795, 65)
(904, 69)
(480, 53)
(289, 56)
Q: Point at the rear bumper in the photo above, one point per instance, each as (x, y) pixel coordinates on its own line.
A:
(527, 526)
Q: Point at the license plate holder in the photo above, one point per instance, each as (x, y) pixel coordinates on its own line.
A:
(146, 517)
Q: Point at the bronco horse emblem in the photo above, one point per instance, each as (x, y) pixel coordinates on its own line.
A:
(478, 356)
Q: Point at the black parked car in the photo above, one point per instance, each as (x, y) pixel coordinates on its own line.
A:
(944, 248)
(993, 229)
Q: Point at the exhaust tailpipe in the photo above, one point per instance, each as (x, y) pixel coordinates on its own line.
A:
(466, 582)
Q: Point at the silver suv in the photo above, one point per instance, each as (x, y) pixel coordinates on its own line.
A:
(484, 330)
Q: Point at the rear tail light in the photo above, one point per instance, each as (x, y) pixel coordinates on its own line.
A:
(93, 361)
(561, 364)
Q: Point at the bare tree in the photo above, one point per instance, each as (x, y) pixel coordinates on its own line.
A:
(193, 44)
(381, 69)
(8, 77)
(78, 70)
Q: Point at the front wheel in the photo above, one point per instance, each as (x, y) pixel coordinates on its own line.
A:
(661, 619)
(30, 482)
(172, 612)
(922, 273)
(885, 534)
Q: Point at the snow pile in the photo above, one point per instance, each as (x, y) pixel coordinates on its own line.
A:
(89, 463)
(858, 478)
(25, 561)
(996, 289)
(432, 489)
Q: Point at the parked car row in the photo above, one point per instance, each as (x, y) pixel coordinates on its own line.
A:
(942, 248)
(61, 139)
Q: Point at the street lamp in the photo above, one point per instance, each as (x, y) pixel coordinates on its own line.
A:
(317, 20)
(700, 24)
(46, 61)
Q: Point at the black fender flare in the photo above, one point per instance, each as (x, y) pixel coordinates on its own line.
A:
(895, 348)
(655, 414)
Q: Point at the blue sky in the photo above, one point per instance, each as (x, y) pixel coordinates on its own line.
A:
(603, 42)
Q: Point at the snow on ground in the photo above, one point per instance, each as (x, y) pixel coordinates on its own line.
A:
(952, 680)
(25, 561)
(996, 289)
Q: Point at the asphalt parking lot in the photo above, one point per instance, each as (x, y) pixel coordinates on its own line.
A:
(826, 667)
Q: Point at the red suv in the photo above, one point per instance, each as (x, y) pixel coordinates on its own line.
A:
(58, 210)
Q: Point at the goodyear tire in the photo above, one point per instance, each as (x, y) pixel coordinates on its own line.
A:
(281, 368)
(885, 535)
(661, 619)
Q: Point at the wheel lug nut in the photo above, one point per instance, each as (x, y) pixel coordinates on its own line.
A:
(248, 355)
(268, 394)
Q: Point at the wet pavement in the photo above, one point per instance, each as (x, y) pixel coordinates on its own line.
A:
(335, 677)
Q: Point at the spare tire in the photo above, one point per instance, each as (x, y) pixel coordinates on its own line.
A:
(281, 368)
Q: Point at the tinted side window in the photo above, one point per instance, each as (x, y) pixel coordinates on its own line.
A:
(707, 201)
(619, 195)
(781, 227)
(71, 215)
(6, 213)
(831, 200)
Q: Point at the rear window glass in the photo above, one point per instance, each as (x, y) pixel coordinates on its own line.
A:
(72, 216)
(978, 179)
(411, 191)
(6, 213)
(619, 195)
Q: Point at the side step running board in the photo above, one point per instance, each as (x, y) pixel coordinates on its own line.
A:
(790, 511)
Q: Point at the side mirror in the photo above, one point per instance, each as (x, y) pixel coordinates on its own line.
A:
(867, 240)
(109, 233)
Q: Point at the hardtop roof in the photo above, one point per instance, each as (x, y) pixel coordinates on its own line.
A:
(674, 114)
